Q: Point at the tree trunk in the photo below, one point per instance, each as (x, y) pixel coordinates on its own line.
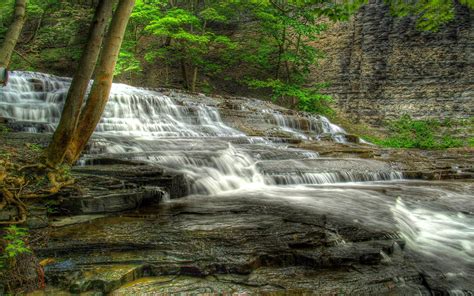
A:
(195, 75)
(70, 115)
(13, 33)
(281, 50)
(99, 95)
(38, 27)
(184, 73)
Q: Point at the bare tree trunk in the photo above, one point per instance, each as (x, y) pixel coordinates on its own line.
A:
(38, 27)
(13, 33)
(195, 76)
(281, 51)
(99, 95)
(184, 73)
(70, 115)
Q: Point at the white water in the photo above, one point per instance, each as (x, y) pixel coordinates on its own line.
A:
(183, 133)
(316, 125)
(445, 235)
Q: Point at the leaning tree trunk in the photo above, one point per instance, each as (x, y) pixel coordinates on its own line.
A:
(70, 115)
(13, 33)
(99, 95)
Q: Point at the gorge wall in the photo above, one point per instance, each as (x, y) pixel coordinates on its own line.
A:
(381, 67)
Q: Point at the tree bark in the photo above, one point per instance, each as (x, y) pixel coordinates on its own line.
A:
(13, 33)
(195, 75)
(184, 73)
(70, 115)
(99, 94)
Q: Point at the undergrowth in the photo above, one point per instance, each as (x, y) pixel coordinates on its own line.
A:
(423, 134)
(14, 244)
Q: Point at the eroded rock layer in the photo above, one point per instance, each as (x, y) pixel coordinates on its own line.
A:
(381, 67)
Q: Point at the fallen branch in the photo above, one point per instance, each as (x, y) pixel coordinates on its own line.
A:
(23, 57)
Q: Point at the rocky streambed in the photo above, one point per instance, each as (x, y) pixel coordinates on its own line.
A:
(191, 194)
(132, 230)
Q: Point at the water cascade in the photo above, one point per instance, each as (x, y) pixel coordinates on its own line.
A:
(178, 133)
(186, 133)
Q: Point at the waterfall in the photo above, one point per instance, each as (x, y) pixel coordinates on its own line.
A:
(311, 127)
(179, 132)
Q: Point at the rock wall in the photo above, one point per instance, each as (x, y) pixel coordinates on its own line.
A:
(381, 67)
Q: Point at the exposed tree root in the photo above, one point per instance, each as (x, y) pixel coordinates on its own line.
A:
(19, 183)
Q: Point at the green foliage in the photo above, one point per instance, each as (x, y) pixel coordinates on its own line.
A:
(34, 147)
(424, 134)
(470, 142)
(309, 99)
(432, 14)
(4, 130)
(68, 22)
(281, 53)
(56, 34)
(15, 237)
(53, 55)
(182, 34)
(14, 244)
(6, 11)
(127, 62)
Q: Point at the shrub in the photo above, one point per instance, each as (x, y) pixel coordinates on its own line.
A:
(423, 134)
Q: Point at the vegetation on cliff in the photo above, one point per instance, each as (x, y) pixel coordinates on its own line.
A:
(425, 134)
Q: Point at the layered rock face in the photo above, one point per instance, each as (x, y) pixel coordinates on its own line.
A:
(381, 67)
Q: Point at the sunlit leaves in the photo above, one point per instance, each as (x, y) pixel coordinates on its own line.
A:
(431, 14)
(211, 14)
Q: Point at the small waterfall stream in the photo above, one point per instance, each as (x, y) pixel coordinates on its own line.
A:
(184, 133)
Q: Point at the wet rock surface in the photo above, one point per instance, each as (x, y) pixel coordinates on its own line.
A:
(227, 245)
(456, 163)
(112, 188)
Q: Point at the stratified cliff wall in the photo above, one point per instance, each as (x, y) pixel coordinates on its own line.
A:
(381, 67)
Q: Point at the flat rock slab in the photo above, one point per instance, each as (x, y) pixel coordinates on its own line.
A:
(138, 174)
(231, 244)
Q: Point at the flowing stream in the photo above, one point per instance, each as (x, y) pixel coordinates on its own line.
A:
(186, 133)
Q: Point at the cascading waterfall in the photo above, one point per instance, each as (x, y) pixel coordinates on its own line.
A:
(183, 133)
(315, 126)
(148, 125)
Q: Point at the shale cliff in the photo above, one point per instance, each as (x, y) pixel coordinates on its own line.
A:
(381, 67)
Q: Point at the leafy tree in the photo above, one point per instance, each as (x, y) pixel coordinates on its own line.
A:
(281, 51)
(182, 36)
